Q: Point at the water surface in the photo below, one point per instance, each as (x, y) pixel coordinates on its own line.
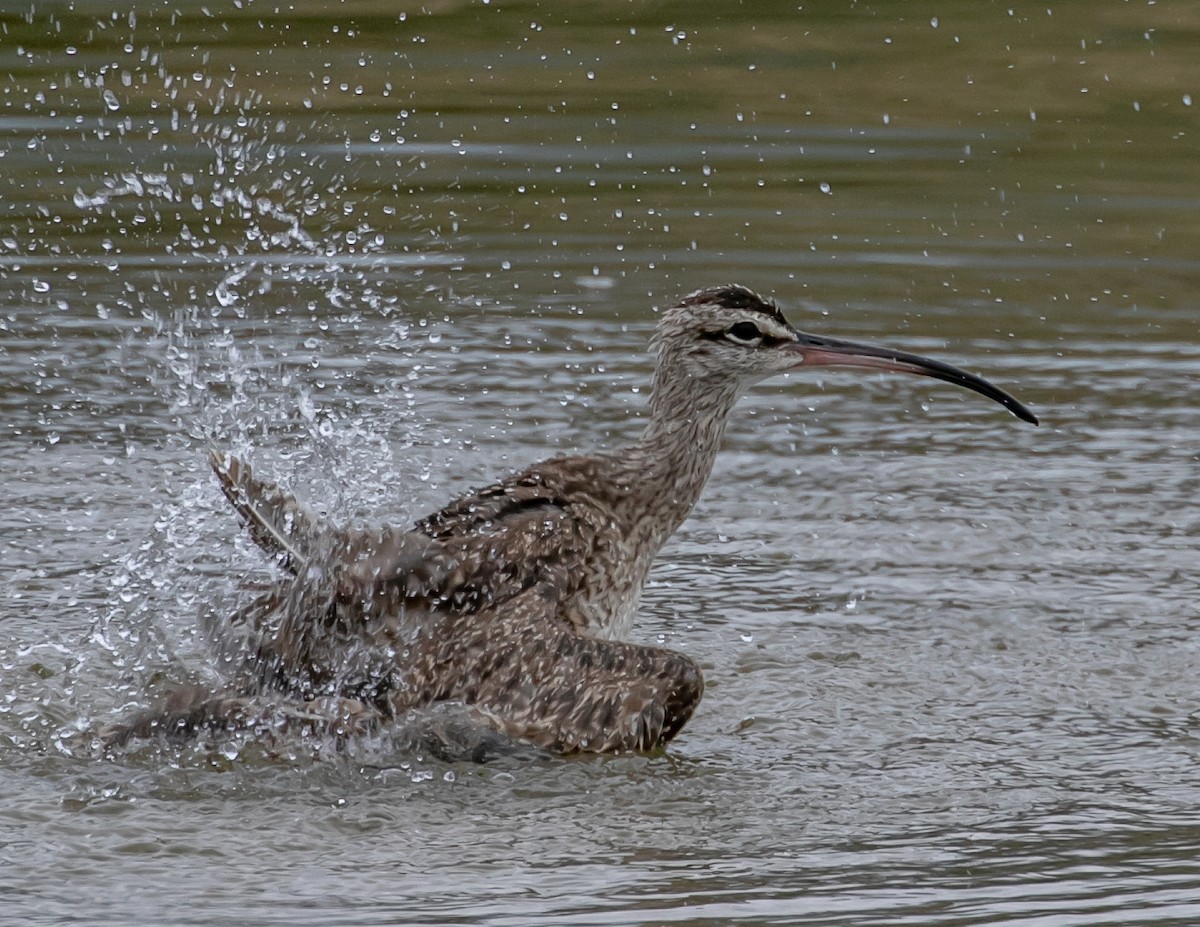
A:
(950, 658)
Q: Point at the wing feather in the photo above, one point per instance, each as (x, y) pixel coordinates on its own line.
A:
(277, 523)
(359, 560)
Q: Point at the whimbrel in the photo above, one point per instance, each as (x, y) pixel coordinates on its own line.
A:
(515, 600)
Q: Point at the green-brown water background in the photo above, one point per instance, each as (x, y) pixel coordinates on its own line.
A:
(952, 659)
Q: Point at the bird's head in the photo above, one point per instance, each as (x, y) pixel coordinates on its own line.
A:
(730, 336)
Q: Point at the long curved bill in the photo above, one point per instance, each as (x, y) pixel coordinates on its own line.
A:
(819, 351)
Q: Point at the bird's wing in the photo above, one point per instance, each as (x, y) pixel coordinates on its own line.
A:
(527, 531)
(369, 560)
(541, 682)
(189, 711)
(277, 523)
(487, 510)
(359, 560)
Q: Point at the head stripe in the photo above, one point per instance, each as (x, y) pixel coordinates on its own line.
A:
(734, 296)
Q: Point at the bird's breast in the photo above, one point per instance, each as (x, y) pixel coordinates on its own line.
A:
(608, 590)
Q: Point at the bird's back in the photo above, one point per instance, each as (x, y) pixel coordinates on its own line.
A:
(363, 606)
(551, 527)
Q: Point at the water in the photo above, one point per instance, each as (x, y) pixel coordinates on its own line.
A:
(951, 658)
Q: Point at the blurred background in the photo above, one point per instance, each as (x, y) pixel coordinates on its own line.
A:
(389, 253)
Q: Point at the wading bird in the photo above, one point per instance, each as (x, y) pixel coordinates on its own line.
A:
(515, 600)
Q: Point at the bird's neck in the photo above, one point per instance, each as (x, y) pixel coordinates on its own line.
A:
(674, 457)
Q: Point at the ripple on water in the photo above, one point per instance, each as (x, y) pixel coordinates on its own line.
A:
(950, 659)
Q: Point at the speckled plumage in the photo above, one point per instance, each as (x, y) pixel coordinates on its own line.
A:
(514, 600)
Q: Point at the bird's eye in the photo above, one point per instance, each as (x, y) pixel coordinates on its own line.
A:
(744, 333)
